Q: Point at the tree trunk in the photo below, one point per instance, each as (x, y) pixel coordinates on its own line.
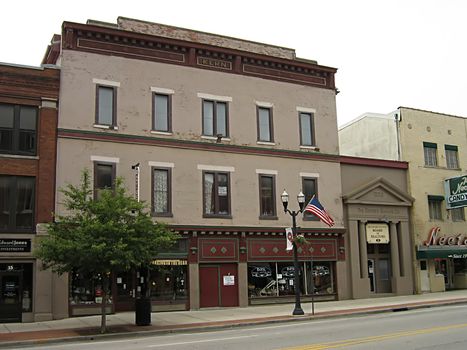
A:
(104, 303)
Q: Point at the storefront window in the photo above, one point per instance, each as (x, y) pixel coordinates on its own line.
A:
(277, 279)
(460, 266)
(86, 290)
(168, 282)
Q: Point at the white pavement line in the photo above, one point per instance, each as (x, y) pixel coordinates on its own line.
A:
(201, 341)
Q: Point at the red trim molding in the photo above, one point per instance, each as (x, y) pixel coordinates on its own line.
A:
(374, 162)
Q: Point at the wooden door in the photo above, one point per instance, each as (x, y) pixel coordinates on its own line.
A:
(209, 286)
(229, 285)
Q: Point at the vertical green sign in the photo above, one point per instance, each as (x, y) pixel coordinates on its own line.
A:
(456, 192)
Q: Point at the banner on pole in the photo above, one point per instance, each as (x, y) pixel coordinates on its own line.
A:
(289, 238)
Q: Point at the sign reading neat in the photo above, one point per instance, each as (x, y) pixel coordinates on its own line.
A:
(377, 233)
(456, 192)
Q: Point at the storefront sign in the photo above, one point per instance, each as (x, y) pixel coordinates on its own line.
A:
(435, 240)
(456, 192)
(8, 245)
(170, 262)
(377, 233)
(229, 280)
(212, 62)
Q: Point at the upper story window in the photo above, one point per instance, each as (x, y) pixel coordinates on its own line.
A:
(106, 105)
(310, 189)
(434, 207)
(162, 118)
(17, 195)
(161, 197)
(307, 132)
(267, 196)
(18, 129)
(215, 118)
(104, 177)
(216, 193)
(452, 159)
(429, 151)
(457, 214)
(265, 126)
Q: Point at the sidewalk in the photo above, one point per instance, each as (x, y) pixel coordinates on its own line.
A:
(123, 324)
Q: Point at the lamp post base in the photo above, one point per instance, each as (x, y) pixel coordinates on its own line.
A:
(298, 311)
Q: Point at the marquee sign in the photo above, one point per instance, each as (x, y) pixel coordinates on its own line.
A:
(456, 192)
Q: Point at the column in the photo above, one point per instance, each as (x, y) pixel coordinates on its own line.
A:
(395, 265)
(363, 252)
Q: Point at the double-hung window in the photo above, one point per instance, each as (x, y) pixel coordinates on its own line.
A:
(216, 193)
(265, 126)
(434, 207)
(161, 111)
(215, 118)
(161, 197)
(106, 105)
(310, 189)
(452, 159)
(104, 177)
(429, 151)
(18, 129)
(457, 214)
(267, 196)
(307, 137)
(17, 197)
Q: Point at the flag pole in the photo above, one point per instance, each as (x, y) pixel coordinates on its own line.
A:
(312, 288)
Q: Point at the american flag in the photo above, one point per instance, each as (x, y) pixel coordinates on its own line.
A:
(314, 207)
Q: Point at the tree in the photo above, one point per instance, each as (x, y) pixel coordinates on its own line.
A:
(100, 236)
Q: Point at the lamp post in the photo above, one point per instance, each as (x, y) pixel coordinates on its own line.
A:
(301, 202)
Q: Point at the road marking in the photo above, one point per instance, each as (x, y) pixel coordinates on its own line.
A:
(200, 341)
(350, 342)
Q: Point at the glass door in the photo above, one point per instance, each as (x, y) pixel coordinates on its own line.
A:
(10, 297)
(125, 291)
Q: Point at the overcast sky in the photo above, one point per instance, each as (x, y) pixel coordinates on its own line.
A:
(388, 53)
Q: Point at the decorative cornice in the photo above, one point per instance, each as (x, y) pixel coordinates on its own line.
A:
(324, 232)
(117, 42)
(193, 145)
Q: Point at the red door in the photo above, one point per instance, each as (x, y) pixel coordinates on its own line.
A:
(209, 286)
(229, 285)
(218, 285)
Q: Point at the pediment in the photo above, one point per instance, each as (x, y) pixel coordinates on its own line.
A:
(378, 192)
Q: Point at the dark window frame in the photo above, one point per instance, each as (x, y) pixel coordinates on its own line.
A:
(447, 150)
(437, 212)
(15, 136)
(114, 105)
(271, 124)
(214, 118)
(272, 216)
(312, 126)
(169, 193)
(216, 197)
(308, 216)
(13, 201)
(427, 146)
(114, 176)
(169, 112)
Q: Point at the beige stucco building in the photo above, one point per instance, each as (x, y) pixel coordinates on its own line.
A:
(434, 145)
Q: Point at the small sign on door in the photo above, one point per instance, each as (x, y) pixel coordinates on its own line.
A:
(229, 280)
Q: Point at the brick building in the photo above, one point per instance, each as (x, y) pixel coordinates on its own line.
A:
(28, 134)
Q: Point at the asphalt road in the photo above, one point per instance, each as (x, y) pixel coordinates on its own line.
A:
(433, 328)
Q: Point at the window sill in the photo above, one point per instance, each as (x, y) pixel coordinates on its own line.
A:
(268, 217)
(214, 138)
(8, 155)
(108, 127)
(214, 216)
(162, 215)
(265, 143)
(166, 133)
(311, 148)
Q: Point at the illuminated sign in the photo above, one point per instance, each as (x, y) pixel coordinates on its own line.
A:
(435, 240)
(169, 262)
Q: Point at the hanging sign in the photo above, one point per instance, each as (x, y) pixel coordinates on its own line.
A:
(377, 233)
(456, 192)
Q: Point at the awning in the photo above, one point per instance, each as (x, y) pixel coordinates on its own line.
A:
(453, 252)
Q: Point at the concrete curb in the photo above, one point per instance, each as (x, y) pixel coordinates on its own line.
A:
(213, 326)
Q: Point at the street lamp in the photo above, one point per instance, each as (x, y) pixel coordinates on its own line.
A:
(301, 202)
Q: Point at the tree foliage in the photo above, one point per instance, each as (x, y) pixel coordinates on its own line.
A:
(99, 236)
